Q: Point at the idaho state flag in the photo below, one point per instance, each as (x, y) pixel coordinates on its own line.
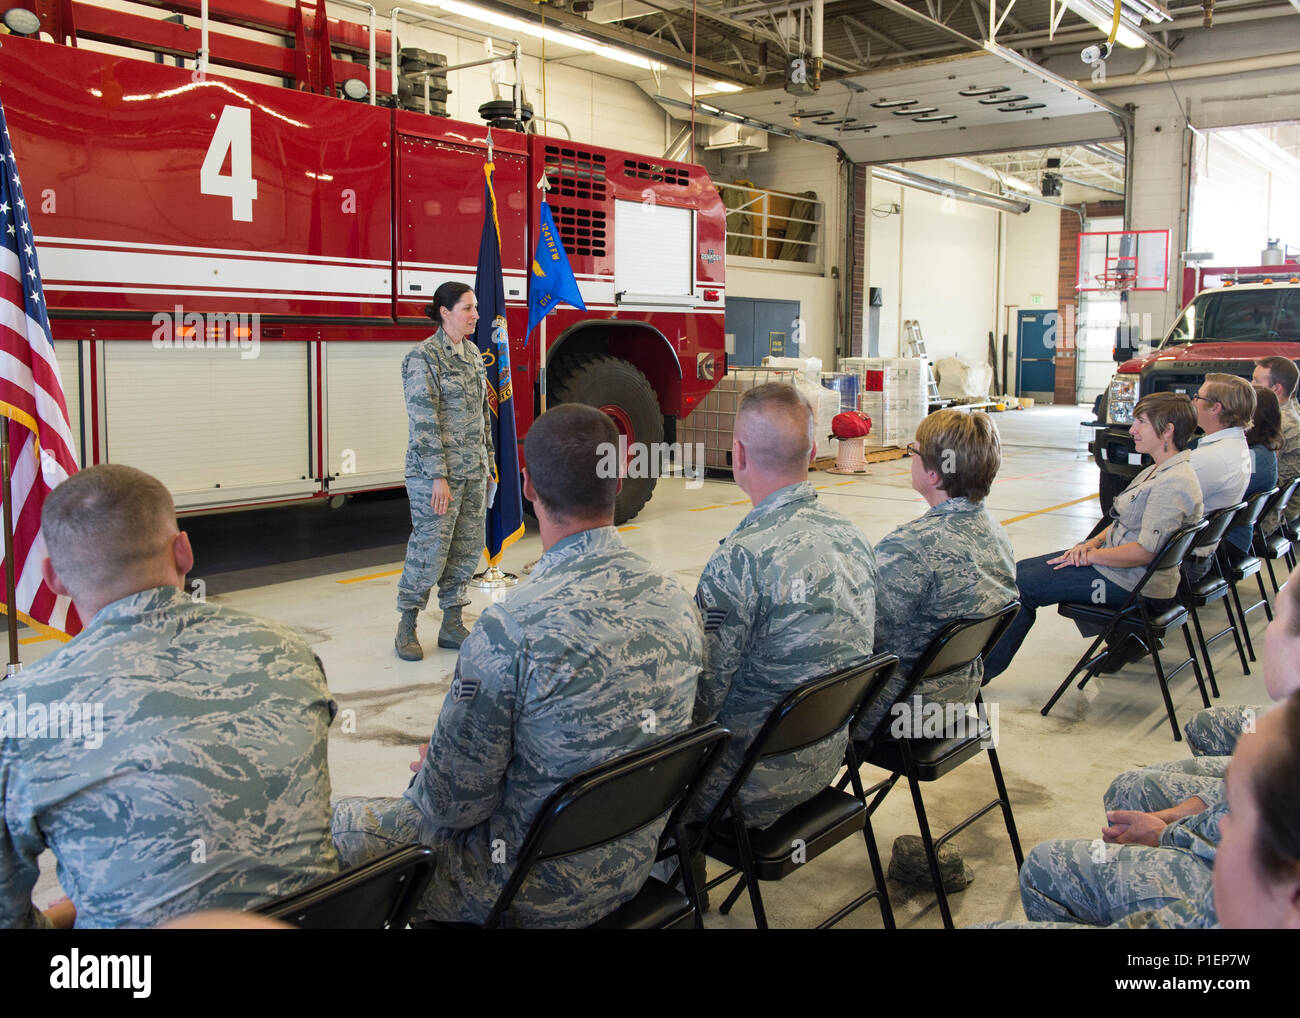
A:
(551, 280)
(505, 519)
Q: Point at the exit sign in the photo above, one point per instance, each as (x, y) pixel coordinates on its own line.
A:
(1036, 299)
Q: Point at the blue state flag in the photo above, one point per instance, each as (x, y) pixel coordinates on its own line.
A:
(505, 519)
(551, 280)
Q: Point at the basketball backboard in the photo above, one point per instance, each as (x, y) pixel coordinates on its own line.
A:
(1117, 260)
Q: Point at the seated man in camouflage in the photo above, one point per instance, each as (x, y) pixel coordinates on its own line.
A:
(202, 782)
(790, 595)
(595, 656)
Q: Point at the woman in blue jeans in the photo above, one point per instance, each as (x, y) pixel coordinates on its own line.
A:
(1104, 569)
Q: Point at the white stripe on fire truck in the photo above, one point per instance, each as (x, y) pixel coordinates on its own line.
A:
(156, 270)
(220, 251)
(341, 298)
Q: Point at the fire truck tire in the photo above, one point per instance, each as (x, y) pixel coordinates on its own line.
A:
(623, 392)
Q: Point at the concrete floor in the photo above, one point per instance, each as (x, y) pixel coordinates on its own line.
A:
(1056, 767)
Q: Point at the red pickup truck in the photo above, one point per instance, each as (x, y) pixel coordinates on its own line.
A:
(1224, 329)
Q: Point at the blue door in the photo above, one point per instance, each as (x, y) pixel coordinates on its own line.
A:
(1036, 354)
(763, 328)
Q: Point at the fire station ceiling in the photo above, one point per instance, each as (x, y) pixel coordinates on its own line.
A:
(951, 106)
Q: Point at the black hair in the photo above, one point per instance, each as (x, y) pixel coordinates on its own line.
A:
(446, 296)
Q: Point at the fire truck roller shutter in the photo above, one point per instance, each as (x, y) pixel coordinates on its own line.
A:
(623, 392)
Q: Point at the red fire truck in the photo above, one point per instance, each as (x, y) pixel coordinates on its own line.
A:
(165, 198)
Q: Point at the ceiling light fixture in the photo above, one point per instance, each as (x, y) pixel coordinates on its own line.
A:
(1132, 14)
(569, 39)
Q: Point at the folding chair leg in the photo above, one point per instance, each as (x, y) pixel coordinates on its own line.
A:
(748, 877)
(1087, 657)
(1263, 594)
(1272, 578)
(1006, 808)
(1196, 668)
(1164, 691)
(1236, 637)
(878, 875)
(931, 855)
(735, 893)
(1241, 615)
(1205, 650)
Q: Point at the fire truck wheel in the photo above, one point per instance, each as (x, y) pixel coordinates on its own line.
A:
(624, 393)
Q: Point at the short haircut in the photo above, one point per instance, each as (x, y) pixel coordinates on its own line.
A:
(565, 451)
(1235, 395)
(1162, 409)
(1277, 790)
(1281, 371)
(963, 449)
(447, 296)
(1266, 425)
(775, 423)
(105, 523)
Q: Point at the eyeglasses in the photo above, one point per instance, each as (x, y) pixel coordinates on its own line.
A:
(912, 449)
(1207, 399)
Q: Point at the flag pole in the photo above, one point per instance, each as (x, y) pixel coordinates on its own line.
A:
(11, 598)
(544, 186)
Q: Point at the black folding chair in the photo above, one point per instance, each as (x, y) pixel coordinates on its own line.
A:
(1236, 565)
(1211, 587)
(612, 801)
(1136, 617)
(810, 713)
(958, 645)
(377, 895)
(1277, 545)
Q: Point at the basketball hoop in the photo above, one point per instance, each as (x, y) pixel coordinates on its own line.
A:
(1115, 282)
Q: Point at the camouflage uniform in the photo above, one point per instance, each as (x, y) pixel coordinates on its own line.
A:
(789, 596)
(954, 561)
(1215, 730)
(1162, 785)
(1288, 464)
(211, 786)
(1083, 881)
(595, 656)
(450, 438)
(1212, 736)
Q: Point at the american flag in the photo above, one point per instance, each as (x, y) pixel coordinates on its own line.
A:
(31, 405)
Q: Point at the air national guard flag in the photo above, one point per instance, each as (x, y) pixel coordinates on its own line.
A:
(551, 280)
(505, 518)
(32, 407)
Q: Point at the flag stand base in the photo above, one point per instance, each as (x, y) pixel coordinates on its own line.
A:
(493, 579)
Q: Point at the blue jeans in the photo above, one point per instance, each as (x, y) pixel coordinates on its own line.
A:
(1041, 584)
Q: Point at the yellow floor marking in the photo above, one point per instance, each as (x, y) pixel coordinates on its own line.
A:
(702, 508)
(1049, 509)
(623, 529)
(740, 501)
(371, 576)
(34, 639)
